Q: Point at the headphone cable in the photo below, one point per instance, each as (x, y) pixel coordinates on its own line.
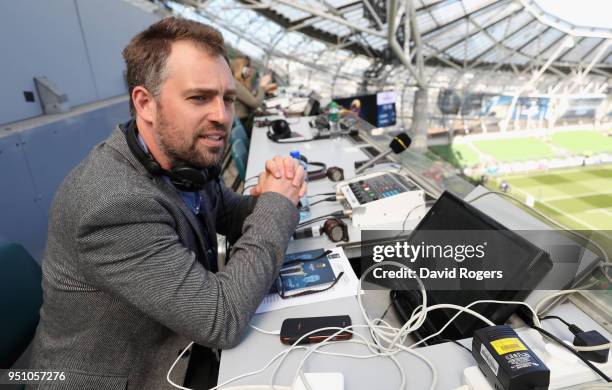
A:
(337, 214)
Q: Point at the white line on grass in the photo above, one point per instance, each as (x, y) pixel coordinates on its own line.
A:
(602, 210)
(575, 195)
(558, 210)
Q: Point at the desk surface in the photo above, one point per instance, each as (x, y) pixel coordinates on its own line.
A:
(340, 153)
(257, 349)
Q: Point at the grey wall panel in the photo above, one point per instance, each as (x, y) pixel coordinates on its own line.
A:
(21, 217)
(108, 27)
(41, 38)
(54, 149)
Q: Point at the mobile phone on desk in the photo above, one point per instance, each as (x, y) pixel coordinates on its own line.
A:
(294, 328)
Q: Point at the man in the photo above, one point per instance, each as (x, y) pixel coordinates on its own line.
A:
(246, 101)
(127, 274)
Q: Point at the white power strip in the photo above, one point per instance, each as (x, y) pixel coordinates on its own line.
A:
(321, 381)
(566, 370)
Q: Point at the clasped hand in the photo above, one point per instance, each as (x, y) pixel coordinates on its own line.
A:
(283, 175)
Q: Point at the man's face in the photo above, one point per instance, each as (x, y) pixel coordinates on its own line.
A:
(195, 106)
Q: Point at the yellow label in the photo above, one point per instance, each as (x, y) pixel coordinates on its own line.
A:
(512, 344)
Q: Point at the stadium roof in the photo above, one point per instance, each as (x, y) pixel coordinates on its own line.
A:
(464, 33)
(340, 47)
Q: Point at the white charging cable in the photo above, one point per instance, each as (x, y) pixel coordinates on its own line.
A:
(272, 332)
(381, 332)
(536, 320)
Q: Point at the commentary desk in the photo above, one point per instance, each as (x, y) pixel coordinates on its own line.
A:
(257, 349)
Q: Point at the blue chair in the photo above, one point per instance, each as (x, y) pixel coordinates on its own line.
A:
(20, 301)
(238, 132)
(240, 156)
(236, 122)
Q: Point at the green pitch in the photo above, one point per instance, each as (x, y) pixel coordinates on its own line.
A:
(515, 149)
(580, 142)
(579, 198)
(459, 155)
(583, 142)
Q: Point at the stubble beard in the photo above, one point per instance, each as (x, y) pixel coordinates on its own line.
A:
(182, 150)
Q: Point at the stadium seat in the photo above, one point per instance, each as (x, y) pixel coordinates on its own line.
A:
(239, 156)
(238, 132)
(20, 301)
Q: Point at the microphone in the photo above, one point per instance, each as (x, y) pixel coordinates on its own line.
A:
(398, 144)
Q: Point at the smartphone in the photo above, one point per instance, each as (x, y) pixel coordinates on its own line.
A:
(294, 328)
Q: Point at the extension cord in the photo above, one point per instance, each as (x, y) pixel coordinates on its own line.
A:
(566, 370)
(321, 381)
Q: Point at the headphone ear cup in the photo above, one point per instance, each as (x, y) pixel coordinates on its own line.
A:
(336, 230)
(281, 129)
(335, 174)
(187, 178)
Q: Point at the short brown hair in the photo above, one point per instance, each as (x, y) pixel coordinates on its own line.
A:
(146, 54)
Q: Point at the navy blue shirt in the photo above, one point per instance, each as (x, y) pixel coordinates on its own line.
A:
(193, 201)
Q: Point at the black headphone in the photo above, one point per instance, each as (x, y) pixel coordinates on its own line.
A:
(334, 228)
(335, 174)
(332, 173)
(317, 173)
(278, 129)
(183, 176)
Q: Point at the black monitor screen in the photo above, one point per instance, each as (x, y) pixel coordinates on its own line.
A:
(377, 109)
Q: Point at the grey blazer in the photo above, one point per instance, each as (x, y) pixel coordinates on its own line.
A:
(125, 284)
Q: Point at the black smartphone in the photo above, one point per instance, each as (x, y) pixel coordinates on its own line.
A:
(294, 328)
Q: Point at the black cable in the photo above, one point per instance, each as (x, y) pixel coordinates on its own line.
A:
(556, 318)
(311, 221)
(386, 310)
(323, 194)
(337, 214)
(329, 199)
(458, 343)
(225, 212)
(247, 187)
(572, 350)
(303, 260)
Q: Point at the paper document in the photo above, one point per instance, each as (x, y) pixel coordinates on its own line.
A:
(345, 287)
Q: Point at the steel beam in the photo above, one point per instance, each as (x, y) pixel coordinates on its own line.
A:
(333, 18)
(394, 45)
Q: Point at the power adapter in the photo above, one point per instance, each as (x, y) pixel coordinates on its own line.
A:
(590, 339)
(566, 370)
(506, 361)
